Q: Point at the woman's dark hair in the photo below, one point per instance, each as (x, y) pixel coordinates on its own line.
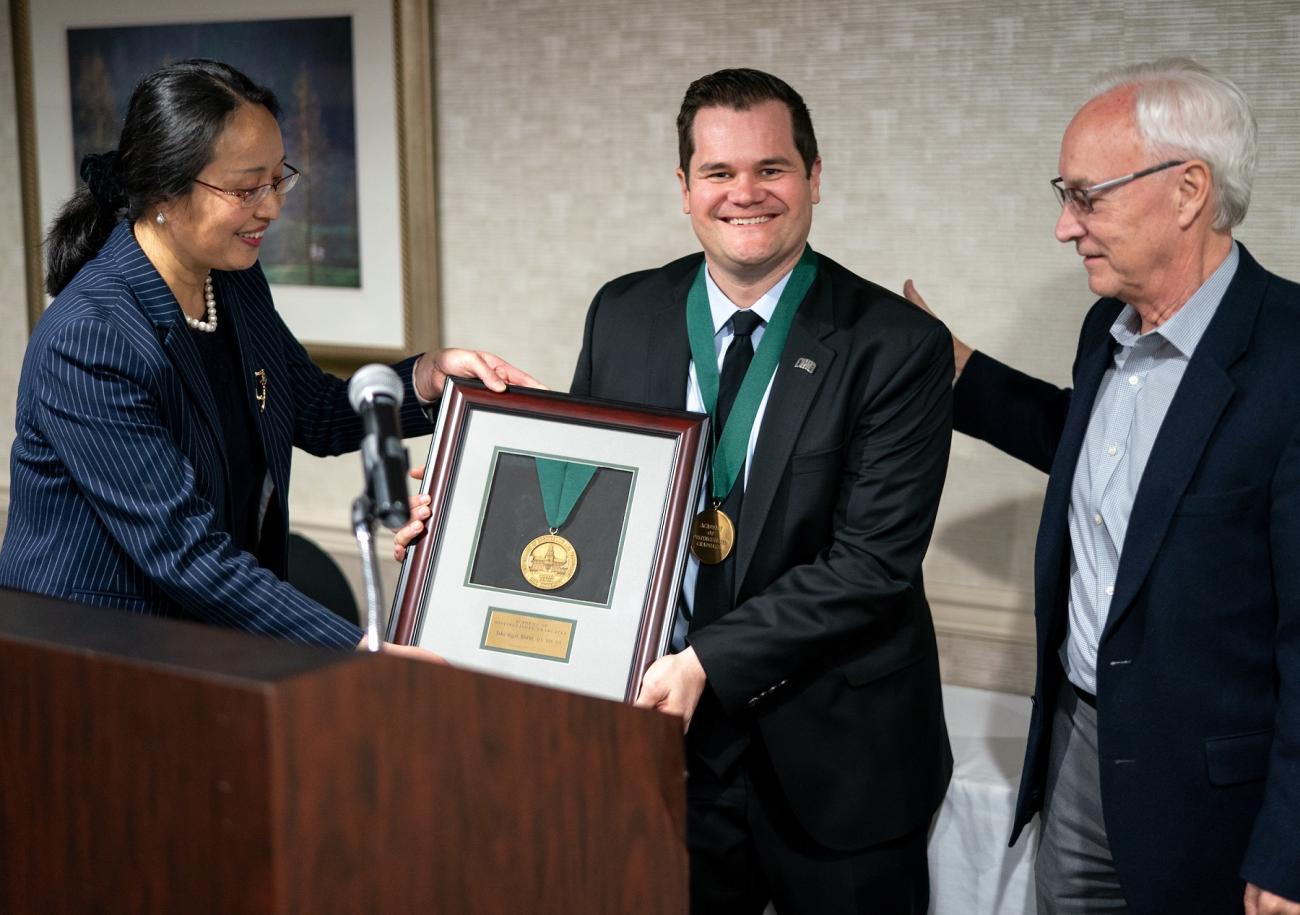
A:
(172, 123)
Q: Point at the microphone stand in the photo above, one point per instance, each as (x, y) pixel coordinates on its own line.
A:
(363, 526)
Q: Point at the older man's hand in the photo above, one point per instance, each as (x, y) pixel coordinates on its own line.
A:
(1262, 902)
(960, 351)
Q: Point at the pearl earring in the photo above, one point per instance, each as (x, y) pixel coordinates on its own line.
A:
(160, 218)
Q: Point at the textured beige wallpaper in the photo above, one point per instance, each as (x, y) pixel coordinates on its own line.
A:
(939, 125)
(13, 304)
(938, 122)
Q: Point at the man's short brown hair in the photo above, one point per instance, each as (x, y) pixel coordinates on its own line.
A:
(741, 90)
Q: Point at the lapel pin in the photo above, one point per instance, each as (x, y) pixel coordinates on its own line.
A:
(260, 374)
(806, 364)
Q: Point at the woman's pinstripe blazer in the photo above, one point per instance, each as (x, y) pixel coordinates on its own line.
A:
(118, 471)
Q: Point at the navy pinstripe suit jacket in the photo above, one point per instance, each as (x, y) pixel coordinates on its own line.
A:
(119, 492)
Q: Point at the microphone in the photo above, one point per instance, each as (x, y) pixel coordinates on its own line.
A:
(376, 393)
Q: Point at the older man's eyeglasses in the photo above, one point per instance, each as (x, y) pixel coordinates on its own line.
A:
(1082, 198)
(252, 196)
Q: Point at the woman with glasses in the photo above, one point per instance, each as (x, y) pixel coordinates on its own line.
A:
(161, 394)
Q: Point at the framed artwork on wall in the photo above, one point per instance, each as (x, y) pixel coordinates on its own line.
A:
(352, 260)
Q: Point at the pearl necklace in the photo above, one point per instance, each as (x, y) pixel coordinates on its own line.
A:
(210, 298)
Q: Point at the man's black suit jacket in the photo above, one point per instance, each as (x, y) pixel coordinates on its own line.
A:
(828, 660)
(1198, 669)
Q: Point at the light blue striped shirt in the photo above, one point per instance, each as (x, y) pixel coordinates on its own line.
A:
(1131, 404)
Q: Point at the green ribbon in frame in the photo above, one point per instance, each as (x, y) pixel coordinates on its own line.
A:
(562, 483)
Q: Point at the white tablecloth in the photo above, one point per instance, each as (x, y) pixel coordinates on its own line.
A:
(972, 872)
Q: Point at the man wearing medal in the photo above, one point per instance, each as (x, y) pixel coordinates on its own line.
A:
(804, 658)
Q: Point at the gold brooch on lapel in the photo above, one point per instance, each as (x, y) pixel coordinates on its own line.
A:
(260, 375)
(805, 364)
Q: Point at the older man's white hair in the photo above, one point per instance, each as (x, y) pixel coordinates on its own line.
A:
(1185, 111)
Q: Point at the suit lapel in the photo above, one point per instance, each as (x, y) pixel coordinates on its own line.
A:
(1202, 396)
(667, 349)
(184, 355)
(255, 356)
(1053, 529)
(164, 313)
(793, 391)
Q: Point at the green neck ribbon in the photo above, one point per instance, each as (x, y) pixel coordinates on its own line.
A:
(562, 482)
(733, 442)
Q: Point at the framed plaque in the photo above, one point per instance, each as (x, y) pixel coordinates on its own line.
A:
(558, 537)
(351, 260)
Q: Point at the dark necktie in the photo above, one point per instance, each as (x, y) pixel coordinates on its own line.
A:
(713, 585)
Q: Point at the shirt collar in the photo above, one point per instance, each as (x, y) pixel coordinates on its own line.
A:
(722, 307)
(1187, 325)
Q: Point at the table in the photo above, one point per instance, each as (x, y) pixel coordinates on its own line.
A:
(972, 872)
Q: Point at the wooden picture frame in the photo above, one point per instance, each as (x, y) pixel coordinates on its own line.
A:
(464, 590)
(394, 311)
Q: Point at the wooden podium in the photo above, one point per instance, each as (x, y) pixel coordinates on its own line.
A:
(155, 766)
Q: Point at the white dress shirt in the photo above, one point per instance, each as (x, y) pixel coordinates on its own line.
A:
(722, 309)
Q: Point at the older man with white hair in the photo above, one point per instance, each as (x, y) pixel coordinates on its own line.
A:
(1164, 746)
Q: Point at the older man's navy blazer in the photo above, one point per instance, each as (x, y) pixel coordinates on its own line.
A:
(1198, 670)
(119, 473)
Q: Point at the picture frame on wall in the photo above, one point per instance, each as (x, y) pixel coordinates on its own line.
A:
(352, 260)
(557, 541)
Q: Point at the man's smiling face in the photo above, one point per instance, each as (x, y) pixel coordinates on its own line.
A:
(749, 196)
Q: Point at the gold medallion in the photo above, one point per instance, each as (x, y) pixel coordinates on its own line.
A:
(712, 536)
(548, 562)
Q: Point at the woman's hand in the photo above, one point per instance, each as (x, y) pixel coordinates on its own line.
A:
(432, 369)
(414, 652)
(413, 529)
